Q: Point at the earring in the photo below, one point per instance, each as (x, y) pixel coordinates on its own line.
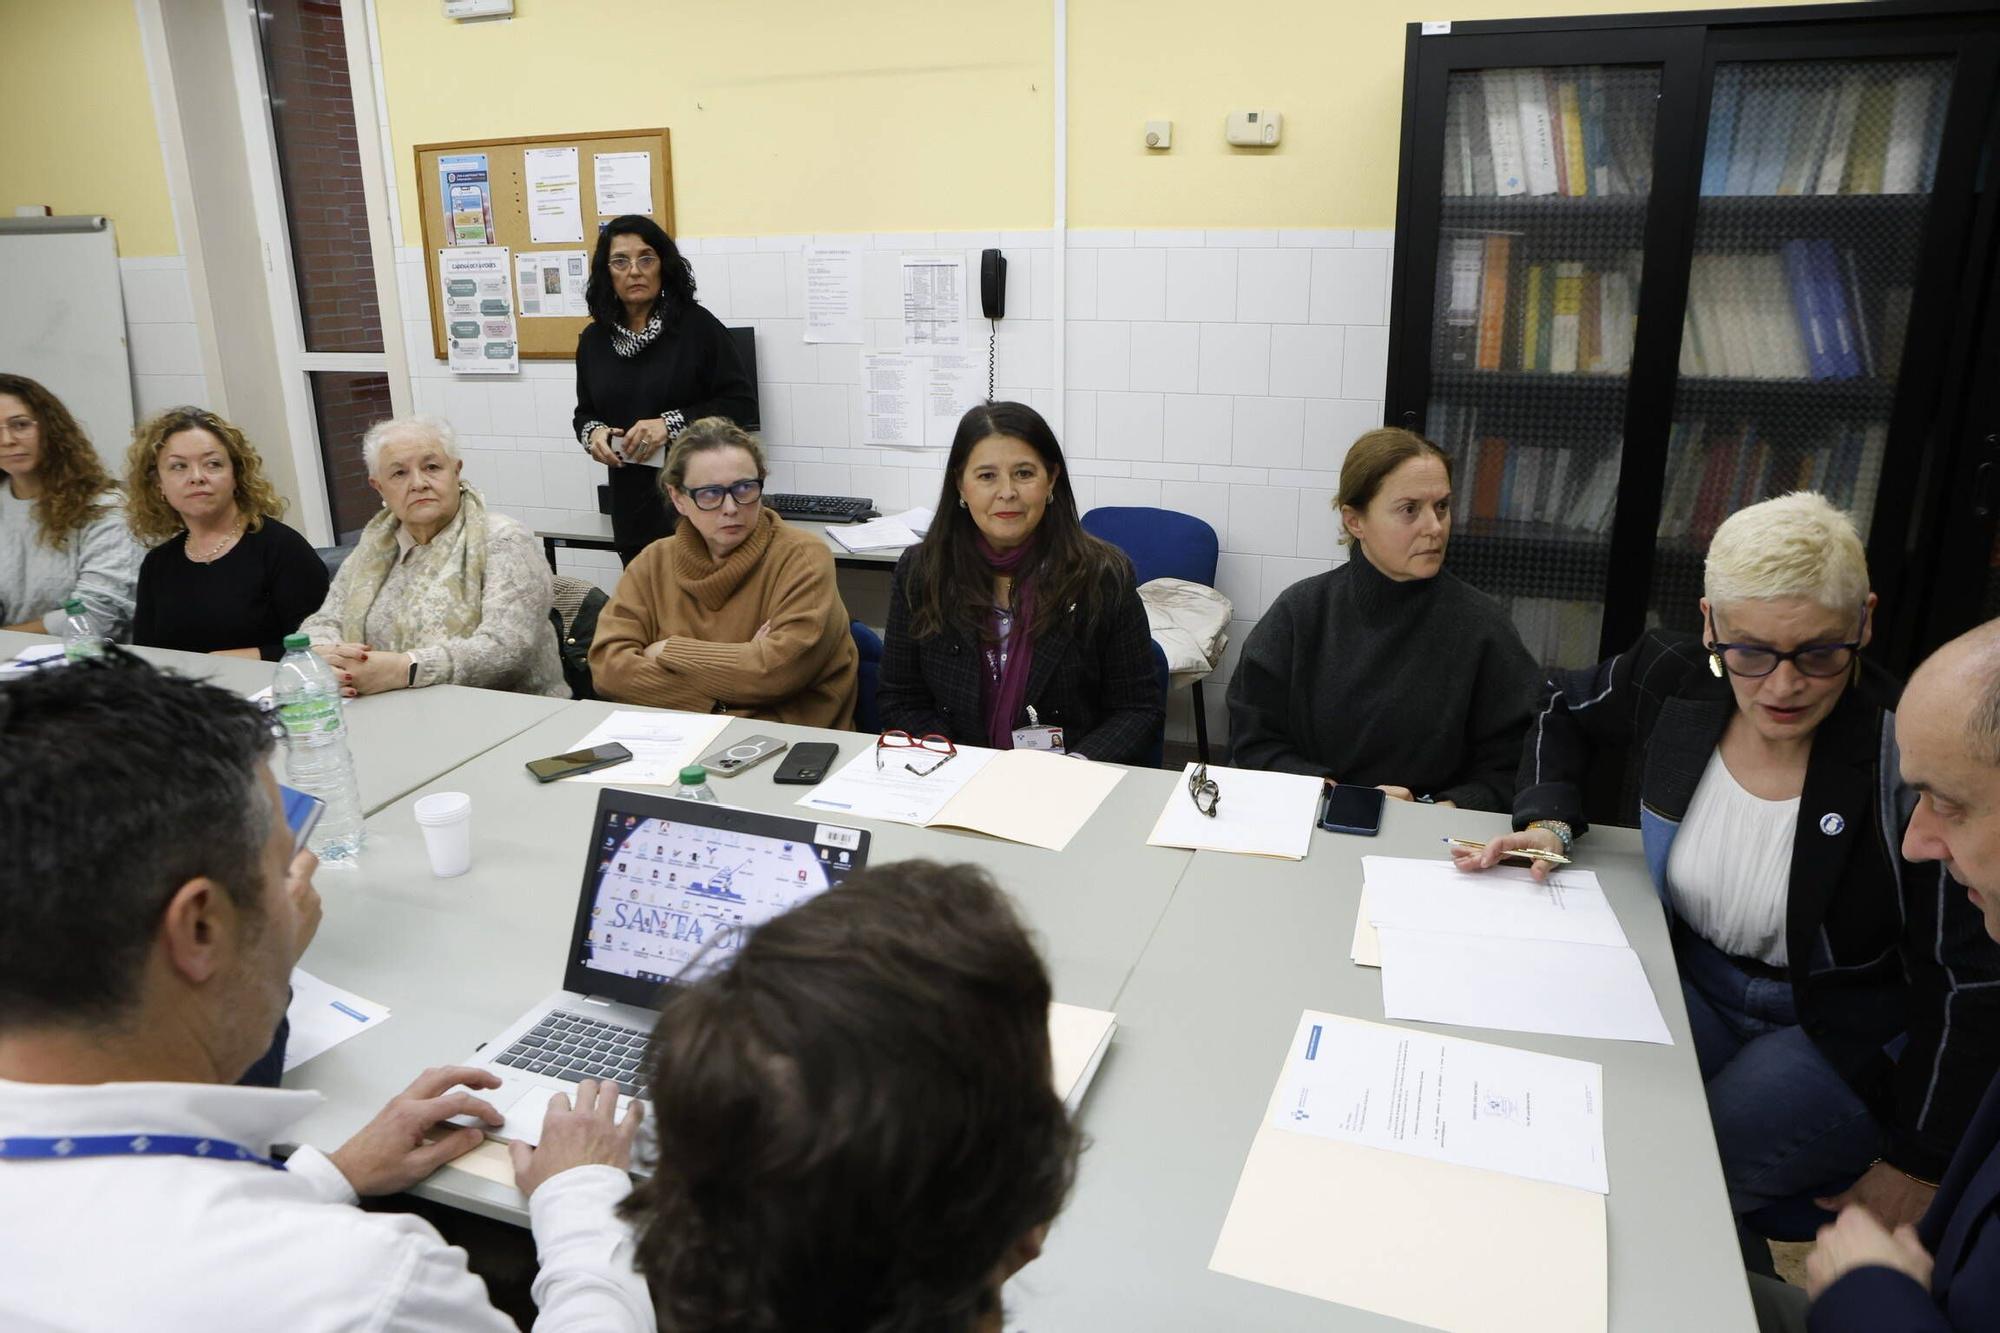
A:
(1715, 665)
(962, 504)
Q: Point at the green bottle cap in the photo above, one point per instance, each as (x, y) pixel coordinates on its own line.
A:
(297, 641)
(74, 606)
(693, 775)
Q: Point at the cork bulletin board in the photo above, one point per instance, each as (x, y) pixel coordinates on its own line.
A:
(507, 206)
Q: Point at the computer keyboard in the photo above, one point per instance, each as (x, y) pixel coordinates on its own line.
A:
(573, 1048)
(823, 508)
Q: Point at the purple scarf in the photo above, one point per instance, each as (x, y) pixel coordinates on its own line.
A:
(1005, 696)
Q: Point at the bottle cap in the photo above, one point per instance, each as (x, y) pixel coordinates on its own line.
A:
(693, 775)
(293, 641)
(73, 605)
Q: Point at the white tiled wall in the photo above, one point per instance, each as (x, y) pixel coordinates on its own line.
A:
(160, 335)
(1220, 373)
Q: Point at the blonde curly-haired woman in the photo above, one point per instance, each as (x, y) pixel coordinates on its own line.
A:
(224, 575)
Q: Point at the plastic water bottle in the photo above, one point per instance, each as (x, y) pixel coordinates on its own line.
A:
(694, 785)
(80, 637)
(317, 761)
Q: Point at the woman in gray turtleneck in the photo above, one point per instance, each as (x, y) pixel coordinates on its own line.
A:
(1387, 671)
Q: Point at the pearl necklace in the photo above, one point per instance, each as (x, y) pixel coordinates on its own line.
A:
(216, 551)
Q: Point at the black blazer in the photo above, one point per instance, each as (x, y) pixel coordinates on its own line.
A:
(1962, 1232)
(1094, 680)
(1877, 947)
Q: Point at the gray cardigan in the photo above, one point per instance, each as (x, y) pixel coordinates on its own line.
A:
(1353, 676)
(99, 563)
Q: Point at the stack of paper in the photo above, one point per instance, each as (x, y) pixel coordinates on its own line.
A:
(662, 744)
(884, 534)
(1388, 1156)
(1078, 1039)
(323, 1016)
(1029, 796)
(1500, 950)
(1256, 813)
(33, 656)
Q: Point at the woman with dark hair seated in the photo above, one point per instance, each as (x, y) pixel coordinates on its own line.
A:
(649, 364)
(1009, 622)
(857, 1122)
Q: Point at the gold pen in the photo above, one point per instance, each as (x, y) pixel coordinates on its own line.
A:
(1524, 853)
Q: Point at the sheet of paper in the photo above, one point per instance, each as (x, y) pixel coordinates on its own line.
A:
(555, 195)
(478, 300)
(1078, 1038)
(552, 283)
(893, 792)
(1367, 947)
(662, 744)
(467, 191)
(1447, 1098)
(877, 534)
(1259, 814)
(1504, 902)
(1565, 989)
(1031, 796)
(33, 656)
(1372, 1229)
(624, 183)
(324, 1016)
(954, 384)
(933, 301)
(892, 385)
(833, 295)
(917, 520)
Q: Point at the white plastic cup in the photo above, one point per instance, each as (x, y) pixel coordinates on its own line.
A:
(446, 819)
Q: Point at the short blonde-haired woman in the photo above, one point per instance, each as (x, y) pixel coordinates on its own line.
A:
(1388, 671)
(441, 590)
(225, 575)
(737, 611)
(1845, 1001)
(62, 521)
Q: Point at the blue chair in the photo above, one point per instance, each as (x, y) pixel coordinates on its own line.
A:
(866, 716)
(1163, 544)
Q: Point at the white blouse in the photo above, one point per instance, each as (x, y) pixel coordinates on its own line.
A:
(1729, 873)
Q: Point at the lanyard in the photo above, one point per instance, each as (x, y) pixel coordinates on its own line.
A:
(127, 1145)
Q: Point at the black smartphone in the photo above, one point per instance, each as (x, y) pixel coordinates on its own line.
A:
(578, 761)
(1348, 809)
(807, 764)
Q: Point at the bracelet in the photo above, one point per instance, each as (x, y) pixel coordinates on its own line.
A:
(583, 436)
(1911, 1175)
(674, 422)
(1557, 827)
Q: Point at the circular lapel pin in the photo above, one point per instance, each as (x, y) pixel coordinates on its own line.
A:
(1831, 824)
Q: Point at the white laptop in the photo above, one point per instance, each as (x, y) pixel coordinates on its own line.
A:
(671, 889)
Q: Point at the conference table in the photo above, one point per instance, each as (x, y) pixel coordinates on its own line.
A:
(1206, 958)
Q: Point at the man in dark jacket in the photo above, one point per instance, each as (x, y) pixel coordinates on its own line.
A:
(1943, 1273)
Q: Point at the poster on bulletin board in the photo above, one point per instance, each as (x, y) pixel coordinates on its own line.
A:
(474, 281)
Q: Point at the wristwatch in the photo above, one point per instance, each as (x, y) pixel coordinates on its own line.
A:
(411, 684)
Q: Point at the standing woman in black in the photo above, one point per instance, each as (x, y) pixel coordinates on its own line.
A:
(650, 362)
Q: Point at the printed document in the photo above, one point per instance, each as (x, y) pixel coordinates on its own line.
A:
(1373, 1228)
(1552, 986)
(624, 183)
(1027, 796)
(1506, 901)
(955, 384)
(324, 1016)
(555, 195)
(552, 282)
(933, 301)
(892, 533)
(1257, 813)
(892, 386)
(833, 295)
(477, 299)
(662, 744)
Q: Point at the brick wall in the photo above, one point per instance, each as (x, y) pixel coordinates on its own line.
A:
(346, 405)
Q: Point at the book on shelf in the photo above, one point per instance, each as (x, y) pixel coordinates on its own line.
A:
(1554, 133)
(1785, 131)
(1800, 312)
(1516, 481)
(1461, 315)
(1493, 301)
(1531, 314)
(1715, 469)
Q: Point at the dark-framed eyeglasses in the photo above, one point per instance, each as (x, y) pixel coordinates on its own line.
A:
(745, 492)
(626, 263)
(936, 751)
(1203, 791)
(1754, 661)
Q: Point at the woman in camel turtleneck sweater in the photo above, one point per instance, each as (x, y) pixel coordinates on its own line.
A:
(736, 612)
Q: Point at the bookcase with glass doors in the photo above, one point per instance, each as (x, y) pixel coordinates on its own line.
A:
(1651, 269)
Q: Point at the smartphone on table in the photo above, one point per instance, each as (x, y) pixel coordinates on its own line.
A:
(807, 765)
(578, 761)
(1352, 809)
(726, 761)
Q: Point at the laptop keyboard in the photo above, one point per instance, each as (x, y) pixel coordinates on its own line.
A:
(573, 1048)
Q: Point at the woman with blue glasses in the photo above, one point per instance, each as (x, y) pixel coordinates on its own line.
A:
(737, 612)
(1844, 1001)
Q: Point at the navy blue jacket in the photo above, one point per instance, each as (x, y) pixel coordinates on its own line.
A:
(1962, 1232)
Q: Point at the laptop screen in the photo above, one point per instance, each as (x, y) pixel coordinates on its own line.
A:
(675, 887)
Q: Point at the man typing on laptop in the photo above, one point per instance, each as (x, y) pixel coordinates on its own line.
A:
(153, 904)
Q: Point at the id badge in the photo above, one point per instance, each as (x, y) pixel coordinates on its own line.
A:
(1039, 738)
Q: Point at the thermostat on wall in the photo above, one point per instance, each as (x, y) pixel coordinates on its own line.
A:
(1254, 129)
(478, 9)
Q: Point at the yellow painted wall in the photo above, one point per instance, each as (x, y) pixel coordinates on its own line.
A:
(78, 133)
(806, 116)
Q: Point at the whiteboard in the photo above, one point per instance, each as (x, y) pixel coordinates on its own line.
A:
(65, 322)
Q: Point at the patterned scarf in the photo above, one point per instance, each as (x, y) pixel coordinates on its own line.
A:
(627, 343)
(1004, 688)
(448, 603)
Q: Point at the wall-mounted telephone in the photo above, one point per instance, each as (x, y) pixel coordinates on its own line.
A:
(993, 285)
